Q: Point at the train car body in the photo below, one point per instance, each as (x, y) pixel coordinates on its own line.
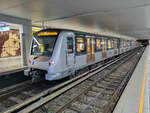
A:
(58, 53)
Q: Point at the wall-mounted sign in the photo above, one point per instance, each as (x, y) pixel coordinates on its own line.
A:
(4, 28)
(47, 33)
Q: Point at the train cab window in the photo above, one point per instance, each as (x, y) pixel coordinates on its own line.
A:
(70, 45)
(98, 44)
(80, 45)
(43, 46)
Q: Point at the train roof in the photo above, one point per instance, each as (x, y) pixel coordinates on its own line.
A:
(76, 32)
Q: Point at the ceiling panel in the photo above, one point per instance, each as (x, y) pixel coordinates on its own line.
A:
(128, 17)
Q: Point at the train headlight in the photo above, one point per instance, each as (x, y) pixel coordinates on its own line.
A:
(51, 63)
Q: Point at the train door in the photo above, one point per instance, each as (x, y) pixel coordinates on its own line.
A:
(90, 50)
(70, 51)
(119, 46)
(115, 47)
(122, 46)
(104, 48)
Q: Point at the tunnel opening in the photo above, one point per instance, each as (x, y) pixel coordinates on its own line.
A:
(144, 43)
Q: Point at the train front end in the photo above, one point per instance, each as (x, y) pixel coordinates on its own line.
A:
(42, 48)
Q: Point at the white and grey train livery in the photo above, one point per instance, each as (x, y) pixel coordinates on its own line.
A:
(58, 53)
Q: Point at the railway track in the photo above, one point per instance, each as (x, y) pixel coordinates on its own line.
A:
(98, 94)
(24, 99)
(12, 78)
(14, 88)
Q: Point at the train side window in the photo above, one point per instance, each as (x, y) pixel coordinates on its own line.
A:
(80, 45)
(98, 44)
(69, 44)
(127, 43)
(109, 44)
(115, 44)
(103, 45)
(122, 45)
(112, 44)
(106, 45)
(130, 43)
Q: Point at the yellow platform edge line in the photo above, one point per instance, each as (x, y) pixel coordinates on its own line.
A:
(143, 87)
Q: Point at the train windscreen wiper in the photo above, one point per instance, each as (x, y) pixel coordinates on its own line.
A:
(36, 56)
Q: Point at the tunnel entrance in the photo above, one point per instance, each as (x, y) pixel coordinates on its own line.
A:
(144, 42)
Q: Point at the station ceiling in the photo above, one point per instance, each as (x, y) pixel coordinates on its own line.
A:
(128, 17)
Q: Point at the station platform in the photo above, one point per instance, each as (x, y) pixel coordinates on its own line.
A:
(135, 98)
(10, 64)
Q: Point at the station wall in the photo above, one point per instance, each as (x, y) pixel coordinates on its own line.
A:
(10, 43)
(25, 31)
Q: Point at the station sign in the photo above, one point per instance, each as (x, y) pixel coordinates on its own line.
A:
(47, 33)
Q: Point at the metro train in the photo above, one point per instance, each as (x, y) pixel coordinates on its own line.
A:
(58, 53)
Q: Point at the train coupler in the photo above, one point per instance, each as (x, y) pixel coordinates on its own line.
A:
(37, 76)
